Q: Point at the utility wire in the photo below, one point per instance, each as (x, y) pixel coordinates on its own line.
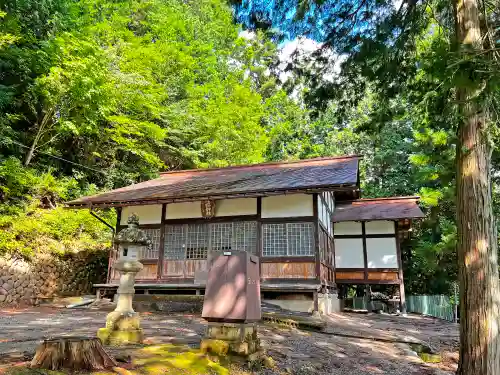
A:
(57, 157)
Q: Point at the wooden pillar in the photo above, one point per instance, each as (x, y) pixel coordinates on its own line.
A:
(368, 298)
(113, 248)
(402, 297)
(316, 236)
(161, 250)
(259, 232)
(316, 302)
(365, 253)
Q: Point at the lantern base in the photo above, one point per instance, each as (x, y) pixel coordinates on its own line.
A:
(231, 338)
(121, 329)
(119, 338)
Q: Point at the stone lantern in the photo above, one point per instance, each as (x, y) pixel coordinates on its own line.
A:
(123, 324)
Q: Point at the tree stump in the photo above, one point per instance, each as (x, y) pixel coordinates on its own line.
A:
(74, 353)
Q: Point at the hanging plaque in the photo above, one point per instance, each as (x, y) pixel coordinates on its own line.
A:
(208, 208)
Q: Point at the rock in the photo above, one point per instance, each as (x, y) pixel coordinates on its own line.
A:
(7, 286)
(3, 292)
(17, 283)
(2, 298)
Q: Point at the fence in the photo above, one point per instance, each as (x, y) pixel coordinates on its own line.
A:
(438, 306)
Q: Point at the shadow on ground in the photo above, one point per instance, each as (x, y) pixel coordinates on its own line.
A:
(172, 343)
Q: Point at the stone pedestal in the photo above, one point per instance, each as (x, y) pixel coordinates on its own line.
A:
(121, 329)
(231, 339)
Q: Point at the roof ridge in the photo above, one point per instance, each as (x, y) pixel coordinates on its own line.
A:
(265, 164)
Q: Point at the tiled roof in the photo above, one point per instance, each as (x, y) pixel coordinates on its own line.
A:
(378, 209)
(233, 181)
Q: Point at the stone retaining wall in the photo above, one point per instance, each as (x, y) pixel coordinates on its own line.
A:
(24, 281)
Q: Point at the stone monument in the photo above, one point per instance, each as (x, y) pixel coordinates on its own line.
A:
(232, 304)
(123, 325)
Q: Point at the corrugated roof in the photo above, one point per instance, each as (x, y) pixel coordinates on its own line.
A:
(239, 180)
(392, 208)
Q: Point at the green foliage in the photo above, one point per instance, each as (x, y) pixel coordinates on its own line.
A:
(56, 231)
(32, 219)
(101, 94)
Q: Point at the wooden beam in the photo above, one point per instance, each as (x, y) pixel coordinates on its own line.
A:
(293, 219)
(217, 219)
(288, 259)
(360, 269)
(363, 281)
(380, 235)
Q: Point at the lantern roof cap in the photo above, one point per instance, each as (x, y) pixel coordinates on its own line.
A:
(133, 234)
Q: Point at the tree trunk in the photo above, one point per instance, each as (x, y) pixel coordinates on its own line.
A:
(74, 353)
(45, 120)
(477, 249)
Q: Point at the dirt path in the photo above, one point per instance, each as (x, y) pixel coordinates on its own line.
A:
(295, 351)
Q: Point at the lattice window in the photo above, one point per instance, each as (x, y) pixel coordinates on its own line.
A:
(234, 236)
(221, 234)
(174, 247)
(151, 251)
(274, 240)
(300, 238)
(192, 241)
(290, 239)
(245, 236)
(197, 241)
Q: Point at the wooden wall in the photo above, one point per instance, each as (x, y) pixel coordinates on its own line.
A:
(287, 270)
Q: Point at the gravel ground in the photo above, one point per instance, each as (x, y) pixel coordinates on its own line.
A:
(370, 346)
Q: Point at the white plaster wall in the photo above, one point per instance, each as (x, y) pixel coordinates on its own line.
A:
(148, 214)
(183, 210)
(235, 207)
(347, 227)
(287, 205)
(379, 227)
(349, 253)
(382, 252)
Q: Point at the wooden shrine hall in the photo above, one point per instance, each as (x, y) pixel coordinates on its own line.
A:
(304, 219)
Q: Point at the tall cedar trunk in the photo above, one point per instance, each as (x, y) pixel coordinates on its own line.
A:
(477, 249)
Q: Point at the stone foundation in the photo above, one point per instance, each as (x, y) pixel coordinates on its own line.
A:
(231, 339)
(327, 304)
(25, 281)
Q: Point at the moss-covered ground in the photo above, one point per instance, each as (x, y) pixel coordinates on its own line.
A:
(151, 360)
